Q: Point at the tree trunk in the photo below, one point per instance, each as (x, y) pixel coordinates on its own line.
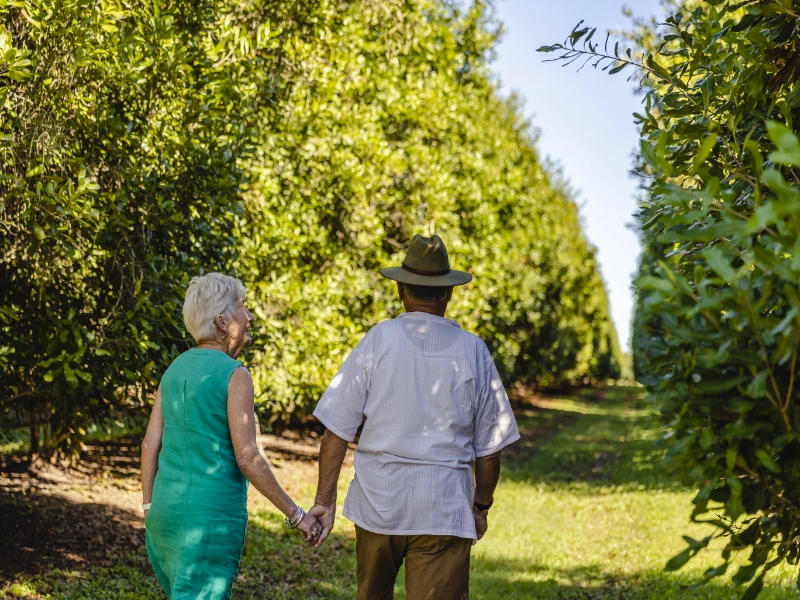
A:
(34, 434)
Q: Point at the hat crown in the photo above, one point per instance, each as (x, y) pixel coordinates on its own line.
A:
(427, 255)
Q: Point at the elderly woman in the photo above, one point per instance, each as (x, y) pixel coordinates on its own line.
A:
(200, 451)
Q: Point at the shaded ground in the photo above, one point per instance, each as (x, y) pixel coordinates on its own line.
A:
(584, 511)
(79, 518)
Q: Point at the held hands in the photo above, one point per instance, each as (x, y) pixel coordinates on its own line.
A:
(311, 529)
(316, 524)
(326, 516)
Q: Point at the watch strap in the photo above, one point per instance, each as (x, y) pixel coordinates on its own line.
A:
(483, 507)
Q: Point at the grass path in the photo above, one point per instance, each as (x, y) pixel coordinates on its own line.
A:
(584, 511)
(591, 513)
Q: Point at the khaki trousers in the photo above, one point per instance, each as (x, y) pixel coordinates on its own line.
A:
(437, 566)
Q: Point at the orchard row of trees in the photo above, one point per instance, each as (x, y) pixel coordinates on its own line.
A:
(717, 328)
(297, 145)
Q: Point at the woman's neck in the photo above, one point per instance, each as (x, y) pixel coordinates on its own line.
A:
(214, 345)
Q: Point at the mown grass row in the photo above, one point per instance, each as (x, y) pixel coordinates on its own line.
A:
(585, 510)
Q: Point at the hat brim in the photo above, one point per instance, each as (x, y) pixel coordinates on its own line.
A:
(452, 278)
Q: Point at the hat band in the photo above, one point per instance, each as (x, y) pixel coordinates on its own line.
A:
(426, 273)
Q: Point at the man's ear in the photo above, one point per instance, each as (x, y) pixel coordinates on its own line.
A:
(400, 291)
(450, 294)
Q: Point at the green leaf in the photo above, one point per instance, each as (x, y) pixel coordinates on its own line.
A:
(730, 460)
(788, 152)
(758, 385)
(38, 232)
(649, 282)
(649, 154)
(87, 377)
(734, 506)
(706, 146)
(708, 90)
(35, 170)
(719, 264)
(766, 460)
(716, 386)
(70, 375)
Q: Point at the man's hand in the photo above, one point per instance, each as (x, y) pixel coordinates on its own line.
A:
(487, 473)
(332, 450)
(310, 528)
(481, 521)
(326, 515)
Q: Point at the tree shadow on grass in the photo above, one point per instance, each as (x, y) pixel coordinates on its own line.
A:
(86, 551)
(516, 580)
(277, 564)
(610, 442)
(41, 533)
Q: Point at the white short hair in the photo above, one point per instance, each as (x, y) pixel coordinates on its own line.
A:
(206, 297)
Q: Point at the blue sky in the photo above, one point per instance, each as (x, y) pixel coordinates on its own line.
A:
(586, 125)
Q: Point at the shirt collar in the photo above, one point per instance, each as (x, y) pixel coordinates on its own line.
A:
(428, 317)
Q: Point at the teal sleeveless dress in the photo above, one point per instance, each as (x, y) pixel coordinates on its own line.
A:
(198, 518)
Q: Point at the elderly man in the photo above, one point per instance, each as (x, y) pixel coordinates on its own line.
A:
(432, 407)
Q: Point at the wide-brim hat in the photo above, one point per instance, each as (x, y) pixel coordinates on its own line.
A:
(427, 263)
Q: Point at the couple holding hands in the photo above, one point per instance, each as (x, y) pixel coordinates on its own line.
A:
(435, 418)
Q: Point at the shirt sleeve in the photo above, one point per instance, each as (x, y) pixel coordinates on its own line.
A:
(341, 408)
(495, 426)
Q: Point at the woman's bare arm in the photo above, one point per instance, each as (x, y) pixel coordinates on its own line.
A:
(241, 420)
(151, 446)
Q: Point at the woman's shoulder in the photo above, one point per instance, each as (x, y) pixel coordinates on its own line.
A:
(202, 361)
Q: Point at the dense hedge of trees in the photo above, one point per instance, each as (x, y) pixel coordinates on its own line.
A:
(297, 145)
(388, 131)
(717, 330)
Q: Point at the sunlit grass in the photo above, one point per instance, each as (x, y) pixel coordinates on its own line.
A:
(591, 513)
(13, 447)
(584, 511)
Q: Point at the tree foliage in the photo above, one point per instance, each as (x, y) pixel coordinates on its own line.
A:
(297, 145)
(387, 132)
(122, 128)
(718, 317)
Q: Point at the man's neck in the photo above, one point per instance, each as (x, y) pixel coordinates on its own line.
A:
(426, 308)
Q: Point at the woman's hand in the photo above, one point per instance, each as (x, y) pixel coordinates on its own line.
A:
(310, 528)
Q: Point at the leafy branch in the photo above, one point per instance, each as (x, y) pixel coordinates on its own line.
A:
(579, 45)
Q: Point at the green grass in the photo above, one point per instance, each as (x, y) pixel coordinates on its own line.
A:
(14, 441)
(584, 510)
(591, 513)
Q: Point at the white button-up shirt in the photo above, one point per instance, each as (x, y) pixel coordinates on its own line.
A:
(431, 401)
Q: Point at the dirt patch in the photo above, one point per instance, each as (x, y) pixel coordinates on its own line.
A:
(70, 517)
(88, 515)
(42, 532)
